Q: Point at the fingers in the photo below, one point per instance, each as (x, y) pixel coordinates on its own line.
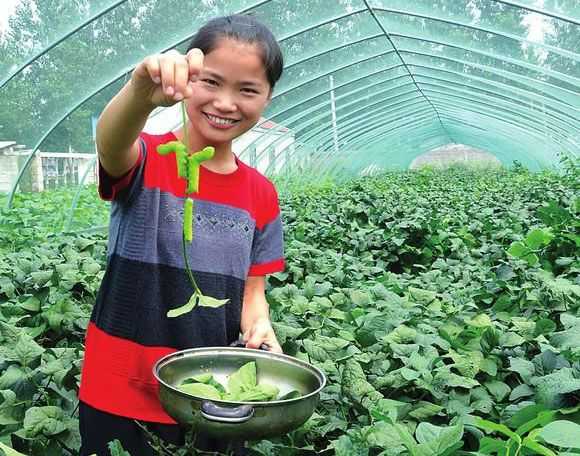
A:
(175, 72)
(195, 63)
(262, 334)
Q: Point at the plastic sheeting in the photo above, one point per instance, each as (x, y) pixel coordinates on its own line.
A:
(371, 83)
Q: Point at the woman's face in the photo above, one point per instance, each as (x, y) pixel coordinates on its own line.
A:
(230, 94)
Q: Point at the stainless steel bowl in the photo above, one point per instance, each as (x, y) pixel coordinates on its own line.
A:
(238, 420)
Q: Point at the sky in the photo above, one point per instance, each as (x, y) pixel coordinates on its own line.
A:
(6, 9)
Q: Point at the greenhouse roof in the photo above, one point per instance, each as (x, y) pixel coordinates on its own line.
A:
(366, 82)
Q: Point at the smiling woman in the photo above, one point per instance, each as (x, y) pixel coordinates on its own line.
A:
(231, 240)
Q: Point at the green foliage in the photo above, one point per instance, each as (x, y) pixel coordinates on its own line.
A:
(399, 287)
(242, 386)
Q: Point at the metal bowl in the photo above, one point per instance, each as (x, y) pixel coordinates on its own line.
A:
(238, 420)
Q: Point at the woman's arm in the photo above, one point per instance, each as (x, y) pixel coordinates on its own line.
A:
(255, 325)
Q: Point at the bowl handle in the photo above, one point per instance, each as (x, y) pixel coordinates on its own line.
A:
(241, 344)
(214, 412)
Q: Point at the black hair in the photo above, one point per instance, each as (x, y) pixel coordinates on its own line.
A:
(246, 29)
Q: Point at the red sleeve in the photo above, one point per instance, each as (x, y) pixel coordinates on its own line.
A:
(267, 268)
(268, 244)
(110, 187)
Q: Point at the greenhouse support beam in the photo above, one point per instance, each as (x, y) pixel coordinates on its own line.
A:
(560, 51)
(543, 12)
(60, 40)
(379, 23)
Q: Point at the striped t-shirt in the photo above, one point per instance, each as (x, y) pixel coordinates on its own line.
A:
(237, 233)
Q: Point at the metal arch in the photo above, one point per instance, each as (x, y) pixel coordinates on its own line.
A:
(328, 51)
(315, 131)
(317, 117)
(60, 40)
(365, 109)
(464, 62)
(475, 51)
(528, 103)
(388, 37)
(432, 133)
(438, 57)
(343, 140)
(335, 70)
(322, 160)
(498, 109)
(356, 132)
(513, 121)
(379, 110)
(319, 128)
(505, 120)
(488, 68)
(519, 63)
(540, 135)
(361, 132)
(533, 96)
(520, 5)
(509, 101)
(515, 63)
(528, 93)
(372, 115)
(479, 103)
(305, 30)
(370, 123)
(323, 127)
(286, 109)
(19, 178)
(103, 86)
(381, 136)
(554, 49)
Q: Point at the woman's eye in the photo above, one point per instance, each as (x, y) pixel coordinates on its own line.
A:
(210, 81)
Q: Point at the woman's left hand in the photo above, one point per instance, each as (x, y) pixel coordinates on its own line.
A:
(261, 332)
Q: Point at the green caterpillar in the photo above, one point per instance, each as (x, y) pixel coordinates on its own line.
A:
(188, 219)
(188, 168)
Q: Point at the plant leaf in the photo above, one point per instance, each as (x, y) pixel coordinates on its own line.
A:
(188, 307)
(208, 301)
(565, 434)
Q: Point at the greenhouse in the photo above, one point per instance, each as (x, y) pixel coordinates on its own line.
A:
(376, 252)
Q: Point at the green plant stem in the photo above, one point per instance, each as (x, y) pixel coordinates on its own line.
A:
(187, 268)
(184, 120)
(186, 140)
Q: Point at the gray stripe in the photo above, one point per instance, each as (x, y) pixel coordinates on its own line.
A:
(223, 235)
(268, 243)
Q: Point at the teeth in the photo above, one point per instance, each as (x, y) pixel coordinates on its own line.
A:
(220, 121)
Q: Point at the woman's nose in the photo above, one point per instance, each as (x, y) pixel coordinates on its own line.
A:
(225, 102)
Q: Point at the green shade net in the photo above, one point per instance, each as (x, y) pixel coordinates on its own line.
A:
(366, 84)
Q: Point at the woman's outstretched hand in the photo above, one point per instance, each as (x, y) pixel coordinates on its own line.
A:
(166, 79)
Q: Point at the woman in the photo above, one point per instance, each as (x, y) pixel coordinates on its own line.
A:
(226, 81)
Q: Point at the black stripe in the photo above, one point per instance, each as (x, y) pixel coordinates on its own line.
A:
(135, 297)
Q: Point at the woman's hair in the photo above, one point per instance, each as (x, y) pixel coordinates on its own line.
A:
(246, 29)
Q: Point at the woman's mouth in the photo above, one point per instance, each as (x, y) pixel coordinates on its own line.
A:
(220, 122)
